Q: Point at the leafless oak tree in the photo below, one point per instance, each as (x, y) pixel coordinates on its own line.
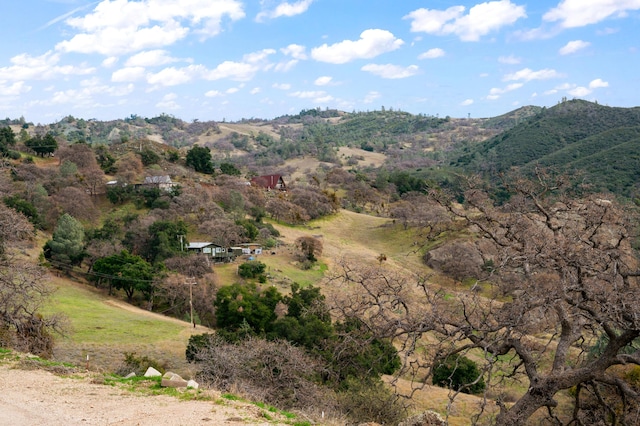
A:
(559, 310)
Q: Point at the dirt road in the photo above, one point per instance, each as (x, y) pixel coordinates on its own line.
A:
(37, 397)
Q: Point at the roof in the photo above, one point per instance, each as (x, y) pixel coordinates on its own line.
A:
(200, 245)
(268, 181)
(157, 179)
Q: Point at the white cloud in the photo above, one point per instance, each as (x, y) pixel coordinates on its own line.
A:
(323, 81)
(213, 94)
(496, 92)
(432, 53)
(482, 19)
(295, 51)
(169, 102)
(285, 66)
(255, 91)
(598, 83)
(578, 13)
(391, 71)
(110, 61)
(372, 42)
(466, 102)
(15, 89)
(128, 74)
(573, 47)
(150, 58)
(281, 86)
(580, 91)
(371, 97)
(232, 90)
(308, 94)
(124, 26)
(509, 60)
(527, 74)
(285, 9)
(174, 76)
(241, 71)
(43, 67)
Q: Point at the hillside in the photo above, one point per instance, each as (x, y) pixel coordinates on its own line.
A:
(599, 143)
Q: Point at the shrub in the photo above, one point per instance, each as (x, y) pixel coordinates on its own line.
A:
(371, 401)
(458, 373)
(251, 269)
(133, 363)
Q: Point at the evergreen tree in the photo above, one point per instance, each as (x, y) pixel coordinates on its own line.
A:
(67, 245)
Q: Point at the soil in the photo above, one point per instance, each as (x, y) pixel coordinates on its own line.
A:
(38, 397)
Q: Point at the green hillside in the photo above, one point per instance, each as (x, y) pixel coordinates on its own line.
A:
(573, 135)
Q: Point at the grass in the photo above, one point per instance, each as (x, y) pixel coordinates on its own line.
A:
(101, 330)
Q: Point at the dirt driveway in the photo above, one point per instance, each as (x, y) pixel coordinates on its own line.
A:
(37, 397)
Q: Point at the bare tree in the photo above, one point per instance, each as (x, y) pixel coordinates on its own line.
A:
(562, 310)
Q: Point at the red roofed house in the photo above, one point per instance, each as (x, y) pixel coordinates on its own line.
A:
(269, 182)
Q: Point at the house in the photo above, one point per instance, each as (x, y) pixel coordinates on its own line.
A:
(251, 248)
(269, 182)
(161, 182)
(215, 251)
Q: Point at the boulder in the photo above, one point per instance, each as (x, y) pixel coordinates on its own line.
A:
(192, 384)
(173, 380)
(152, 372)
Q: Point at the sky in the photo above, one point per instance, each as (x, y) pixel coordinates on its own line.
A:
(232, 59)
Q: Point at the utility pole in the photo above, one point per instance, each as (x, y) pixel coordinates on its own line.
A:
(191, 282)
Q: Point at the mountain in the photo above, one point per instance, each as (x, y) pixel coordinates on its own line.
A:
(599, 143)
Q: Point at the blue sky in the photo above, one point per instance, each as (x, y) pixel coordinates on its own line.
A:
(232, 59)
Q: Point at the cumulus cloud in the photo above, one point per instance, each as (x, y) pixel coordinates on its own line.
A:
(432, 53)
(323, 81)
(481, 20)
(391, 71)
(527, 74)
(245, 70)
(466, 102)
(573, 47)
(128, 74)
(285, 9)
(120, 27)
(578, 13)
(150, 58)
(496, 92)
(169, 102)
(174, 76)
(295, 51)
(597, 83)
(308, 94)
(43, 67)
(213, 94)
(15, 89)
(372, 42)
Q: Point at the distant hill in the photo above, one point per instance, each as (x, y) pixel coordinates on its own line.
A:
(601, 143)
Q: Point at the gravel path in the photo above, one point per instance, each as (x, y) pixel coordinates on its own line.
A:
(37, 397)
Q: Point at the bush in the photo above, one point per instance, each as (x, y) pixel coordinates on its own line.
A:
(458, 373)
(133, 363)
(371, 402)
(251, 269)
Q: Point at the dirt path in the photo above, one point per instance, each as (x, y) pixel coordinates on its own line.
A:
(37, 397)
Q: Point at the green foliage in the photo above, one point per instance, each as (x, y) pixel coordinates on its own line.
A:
(105, 159)
(149, 157)
(133, 363)
(166, 240)
(251, 230)
(199, 158)
(7, 140)
(458, 373)
(251, 269)
(67, 245)
(42, 145)
(196, 344)
(25, 207)
(229, 169)
(244, 305)
(126, 272)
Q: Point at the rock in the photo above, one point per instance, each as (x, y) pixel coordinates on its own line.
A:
(192, 384)
(427, 418)
(173, 380)
(130, 375)
(152, 372)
